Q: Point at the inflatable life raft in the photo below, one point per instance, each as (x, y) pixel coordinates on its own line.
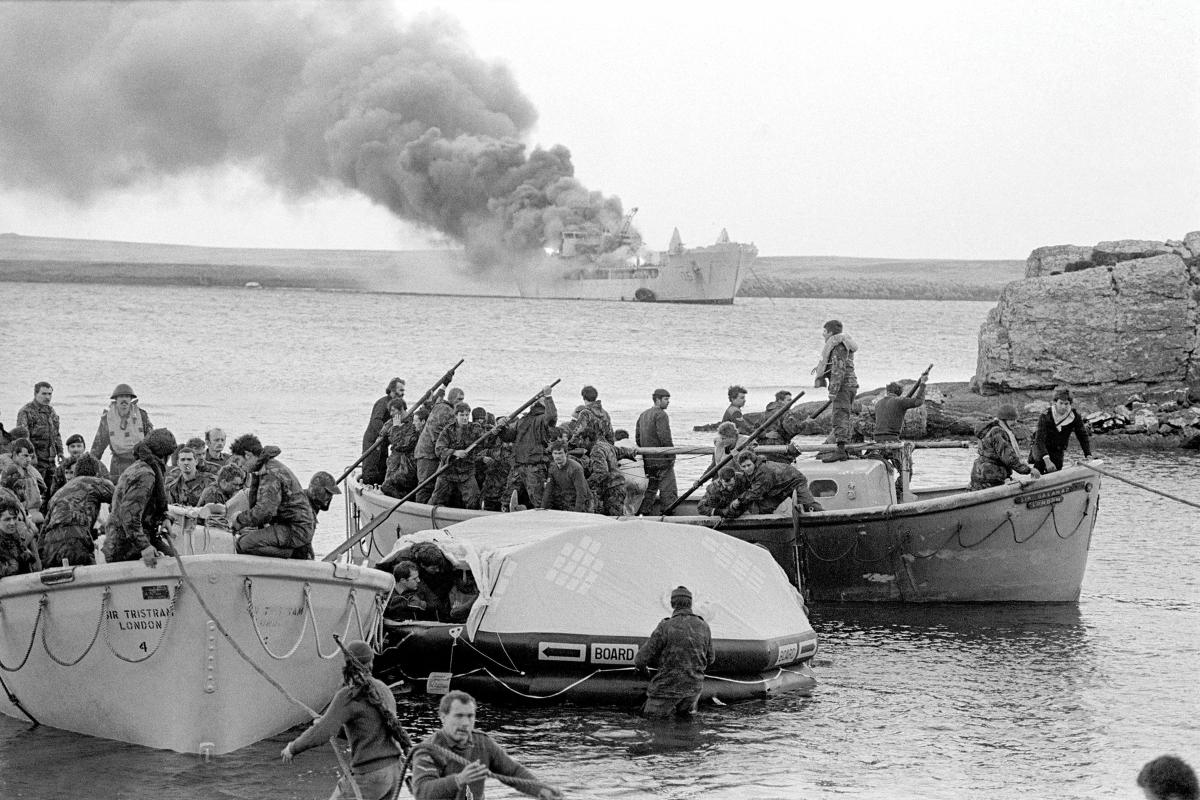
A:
(566, 600)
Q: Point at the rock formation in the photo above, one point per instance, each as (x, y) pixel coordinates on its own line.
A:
(1110, 320)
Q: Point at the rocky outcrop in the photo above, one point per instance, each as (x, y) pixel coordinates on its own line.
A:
(1060, 258)
(1128, 323)
(1056, 259)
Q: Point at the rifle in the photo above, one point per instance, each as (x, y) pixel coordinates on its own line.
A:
(920, 381)
(362, 679)
(379, 520)
(442, 381)
(750, 437)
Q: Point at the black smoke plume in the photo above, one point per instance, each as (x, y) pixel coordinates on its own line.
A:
(97, 97)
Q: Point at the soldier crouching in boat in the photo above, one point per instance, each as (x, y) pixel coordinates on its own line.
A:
(71, 516)
(998, 452)
(279, 522)
(723, 490)
(769, 485)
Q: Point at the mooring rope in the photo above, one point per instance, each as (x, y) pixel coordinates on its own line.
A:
(1143, 486)
(187, 579)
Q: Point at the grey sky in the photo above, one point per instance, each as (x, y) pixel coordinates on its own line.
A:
(889, 129)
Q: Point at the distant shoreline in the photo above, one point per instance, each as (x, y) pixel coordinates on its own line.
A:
(444, 272)
(234, 276)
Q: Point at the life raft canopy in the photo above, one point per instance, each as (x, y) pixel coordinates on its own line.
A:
(565, 572)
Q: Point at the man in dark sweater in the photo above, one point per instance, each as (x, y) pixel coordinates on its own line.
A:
(890, 411)
(459, 757)
(654, 430)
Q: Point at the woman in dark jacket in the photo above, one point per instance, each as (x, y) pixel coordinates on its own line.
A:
(1055, 426)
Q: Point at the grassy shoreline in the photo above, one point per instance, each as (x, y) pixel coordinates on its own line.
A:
(48, 260)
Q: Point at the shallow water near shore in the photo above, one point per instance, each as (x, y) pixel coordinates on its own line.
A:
(931, 702)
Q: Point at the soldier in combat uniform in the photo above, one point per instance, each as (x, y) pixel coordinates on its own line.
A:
(139, 503)
(681, 648)
(40, 420)
(280, 521)
(72, 514)
(836, 370)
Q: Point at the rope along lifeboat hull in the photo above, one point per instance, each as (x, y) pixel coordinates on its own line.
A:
(1018, 542)
(124, 651)
(556, 667)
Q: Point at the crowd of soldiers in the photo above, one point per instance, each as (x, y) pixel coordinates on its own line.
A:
(451, 454)
(52, 493)
(447, 453)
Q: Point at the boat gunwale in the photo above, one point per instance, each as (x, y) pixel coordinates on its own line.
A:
(126, 572)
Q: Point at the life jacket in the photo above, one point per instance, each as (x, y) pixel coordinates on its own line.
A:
(124, 433)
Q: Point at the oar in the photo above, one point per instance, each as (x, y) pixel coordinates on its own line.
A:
(1114, 476)
(706, 450)
(750, 437)
(820, 409)
(442, 381)
(379, 520)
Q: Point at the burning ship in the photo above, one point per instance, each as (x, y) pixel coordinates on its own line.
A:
(593, 264)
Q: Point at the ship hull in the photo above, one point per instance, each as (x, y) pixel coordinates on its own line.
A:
(704, 275)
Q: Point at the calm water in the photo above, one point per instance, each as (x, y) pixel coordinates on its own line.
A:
(939, 702)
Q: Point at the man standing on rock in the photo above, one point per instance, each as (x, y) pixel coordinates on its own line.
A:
(836, 369)
(41, 422)
(654, 430)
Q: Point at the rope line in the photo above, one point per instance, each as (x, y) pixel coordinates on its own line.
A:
(853, 547)
(32, 638)
(312, 614)
(1144, 487)
(249, 589)
(310, 617)
(233, 642)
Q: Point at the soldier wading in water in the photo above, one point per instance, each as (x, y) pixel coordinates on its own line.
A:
(366, 709)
